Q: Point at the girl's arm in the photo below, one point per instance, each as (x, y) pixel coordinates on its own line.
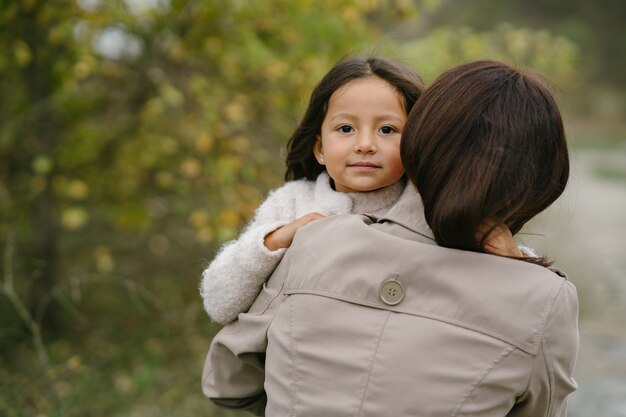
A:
(234, 368)
(233, 279)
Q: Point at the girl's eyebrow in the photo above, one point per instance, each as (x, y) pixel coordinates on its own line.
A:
(343, 116)
(386, 116)
(351, 116)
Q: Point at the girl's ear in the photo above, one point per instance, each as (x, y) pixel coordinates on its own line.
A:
(318, 150)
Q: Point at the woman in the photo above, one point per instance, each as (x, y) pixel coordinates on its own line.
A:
(433, 313)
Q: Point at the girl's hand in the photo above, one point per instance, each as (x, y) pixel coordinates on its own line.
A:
(282, 237)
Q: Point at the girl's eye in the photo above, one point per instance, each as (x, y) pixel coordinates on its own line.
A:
(345, 128)
(387, 130)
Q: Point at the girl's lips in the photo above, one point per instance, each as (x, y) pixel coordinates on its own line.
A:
(364, 165)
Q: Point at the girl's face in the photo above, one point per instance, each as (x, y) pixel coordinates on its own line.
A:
(360, 136)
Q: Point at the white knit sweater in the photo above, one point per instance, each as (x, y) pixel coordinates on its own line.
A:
(231, 282)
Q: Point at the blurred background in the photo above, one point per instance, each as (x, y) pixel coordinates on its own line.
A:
(136, 136)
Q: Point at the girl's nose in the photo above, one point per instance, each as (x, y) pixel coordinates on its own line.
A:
(365, 143)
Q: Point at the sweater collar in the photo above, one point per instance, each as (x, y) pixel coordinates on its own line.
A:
(375, 203)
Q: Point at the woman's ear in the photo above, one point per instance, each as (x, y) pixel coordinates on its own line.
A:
(318, 150)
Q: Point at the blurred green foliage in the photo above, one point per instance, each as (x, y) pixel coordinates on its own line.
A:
(135, 137)
(597, 27)
(595, 103)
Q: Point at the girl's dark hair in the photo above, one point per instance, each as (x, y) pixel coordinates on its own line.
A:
(484, 145)
(301, 162)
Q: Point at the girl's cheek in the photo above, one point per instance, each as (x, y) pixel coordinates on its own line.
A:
(397, 163)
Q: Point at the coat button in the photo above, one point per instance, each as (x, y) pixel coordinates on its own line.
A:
(391, 292)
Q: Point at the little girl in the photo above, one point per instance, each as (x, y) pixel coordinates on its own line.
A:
(343, 158)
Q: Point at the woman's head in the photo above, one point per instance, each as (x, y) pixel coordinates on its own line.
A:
(484, 145)
(301, 159)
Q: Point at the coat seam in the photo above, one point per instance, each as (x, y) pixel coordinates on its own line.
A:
(479, 379)
(372, 360)
(292, 353)
(542, 344)
(551, 379)
(488, 332)
(545, 314)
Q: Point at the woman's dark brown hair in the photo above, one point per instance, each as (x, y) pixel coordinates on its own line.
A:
(301, 162)
(484, 145)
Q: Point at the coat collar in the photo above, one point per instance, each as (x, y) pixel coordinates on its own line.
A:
(408, 212)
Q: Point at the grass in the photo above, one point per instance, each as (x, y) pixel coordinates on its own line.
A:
(116, 362)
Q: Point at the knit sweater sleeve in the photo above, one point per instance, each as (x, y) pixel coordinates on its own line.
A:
(231, 282)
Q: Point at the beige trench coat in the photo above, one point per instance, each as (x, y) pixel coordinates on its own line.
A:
(367, 317)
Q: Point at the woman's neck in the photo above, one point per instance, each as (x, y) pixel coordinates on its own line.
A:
(500, 242)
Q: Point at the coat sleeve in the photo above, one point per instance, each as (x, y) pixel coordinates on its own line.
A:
(231, 282)
(552, 375)
(234, 368)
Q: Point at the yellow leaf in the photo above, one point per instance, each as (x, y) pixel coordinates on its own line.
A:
(205, 142)
(84, 67)
(164, 179)
(104, 259)
(205, 235)
(74, 362)
(22, 52)
(229, 218)
(55, 35)
(234, 112)
(190, 168)
(123, 383)
(74, 218)
(171, 96)
(199, 218)
(350, 15)
(240, 144)
(42, 164)
(77, 189)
